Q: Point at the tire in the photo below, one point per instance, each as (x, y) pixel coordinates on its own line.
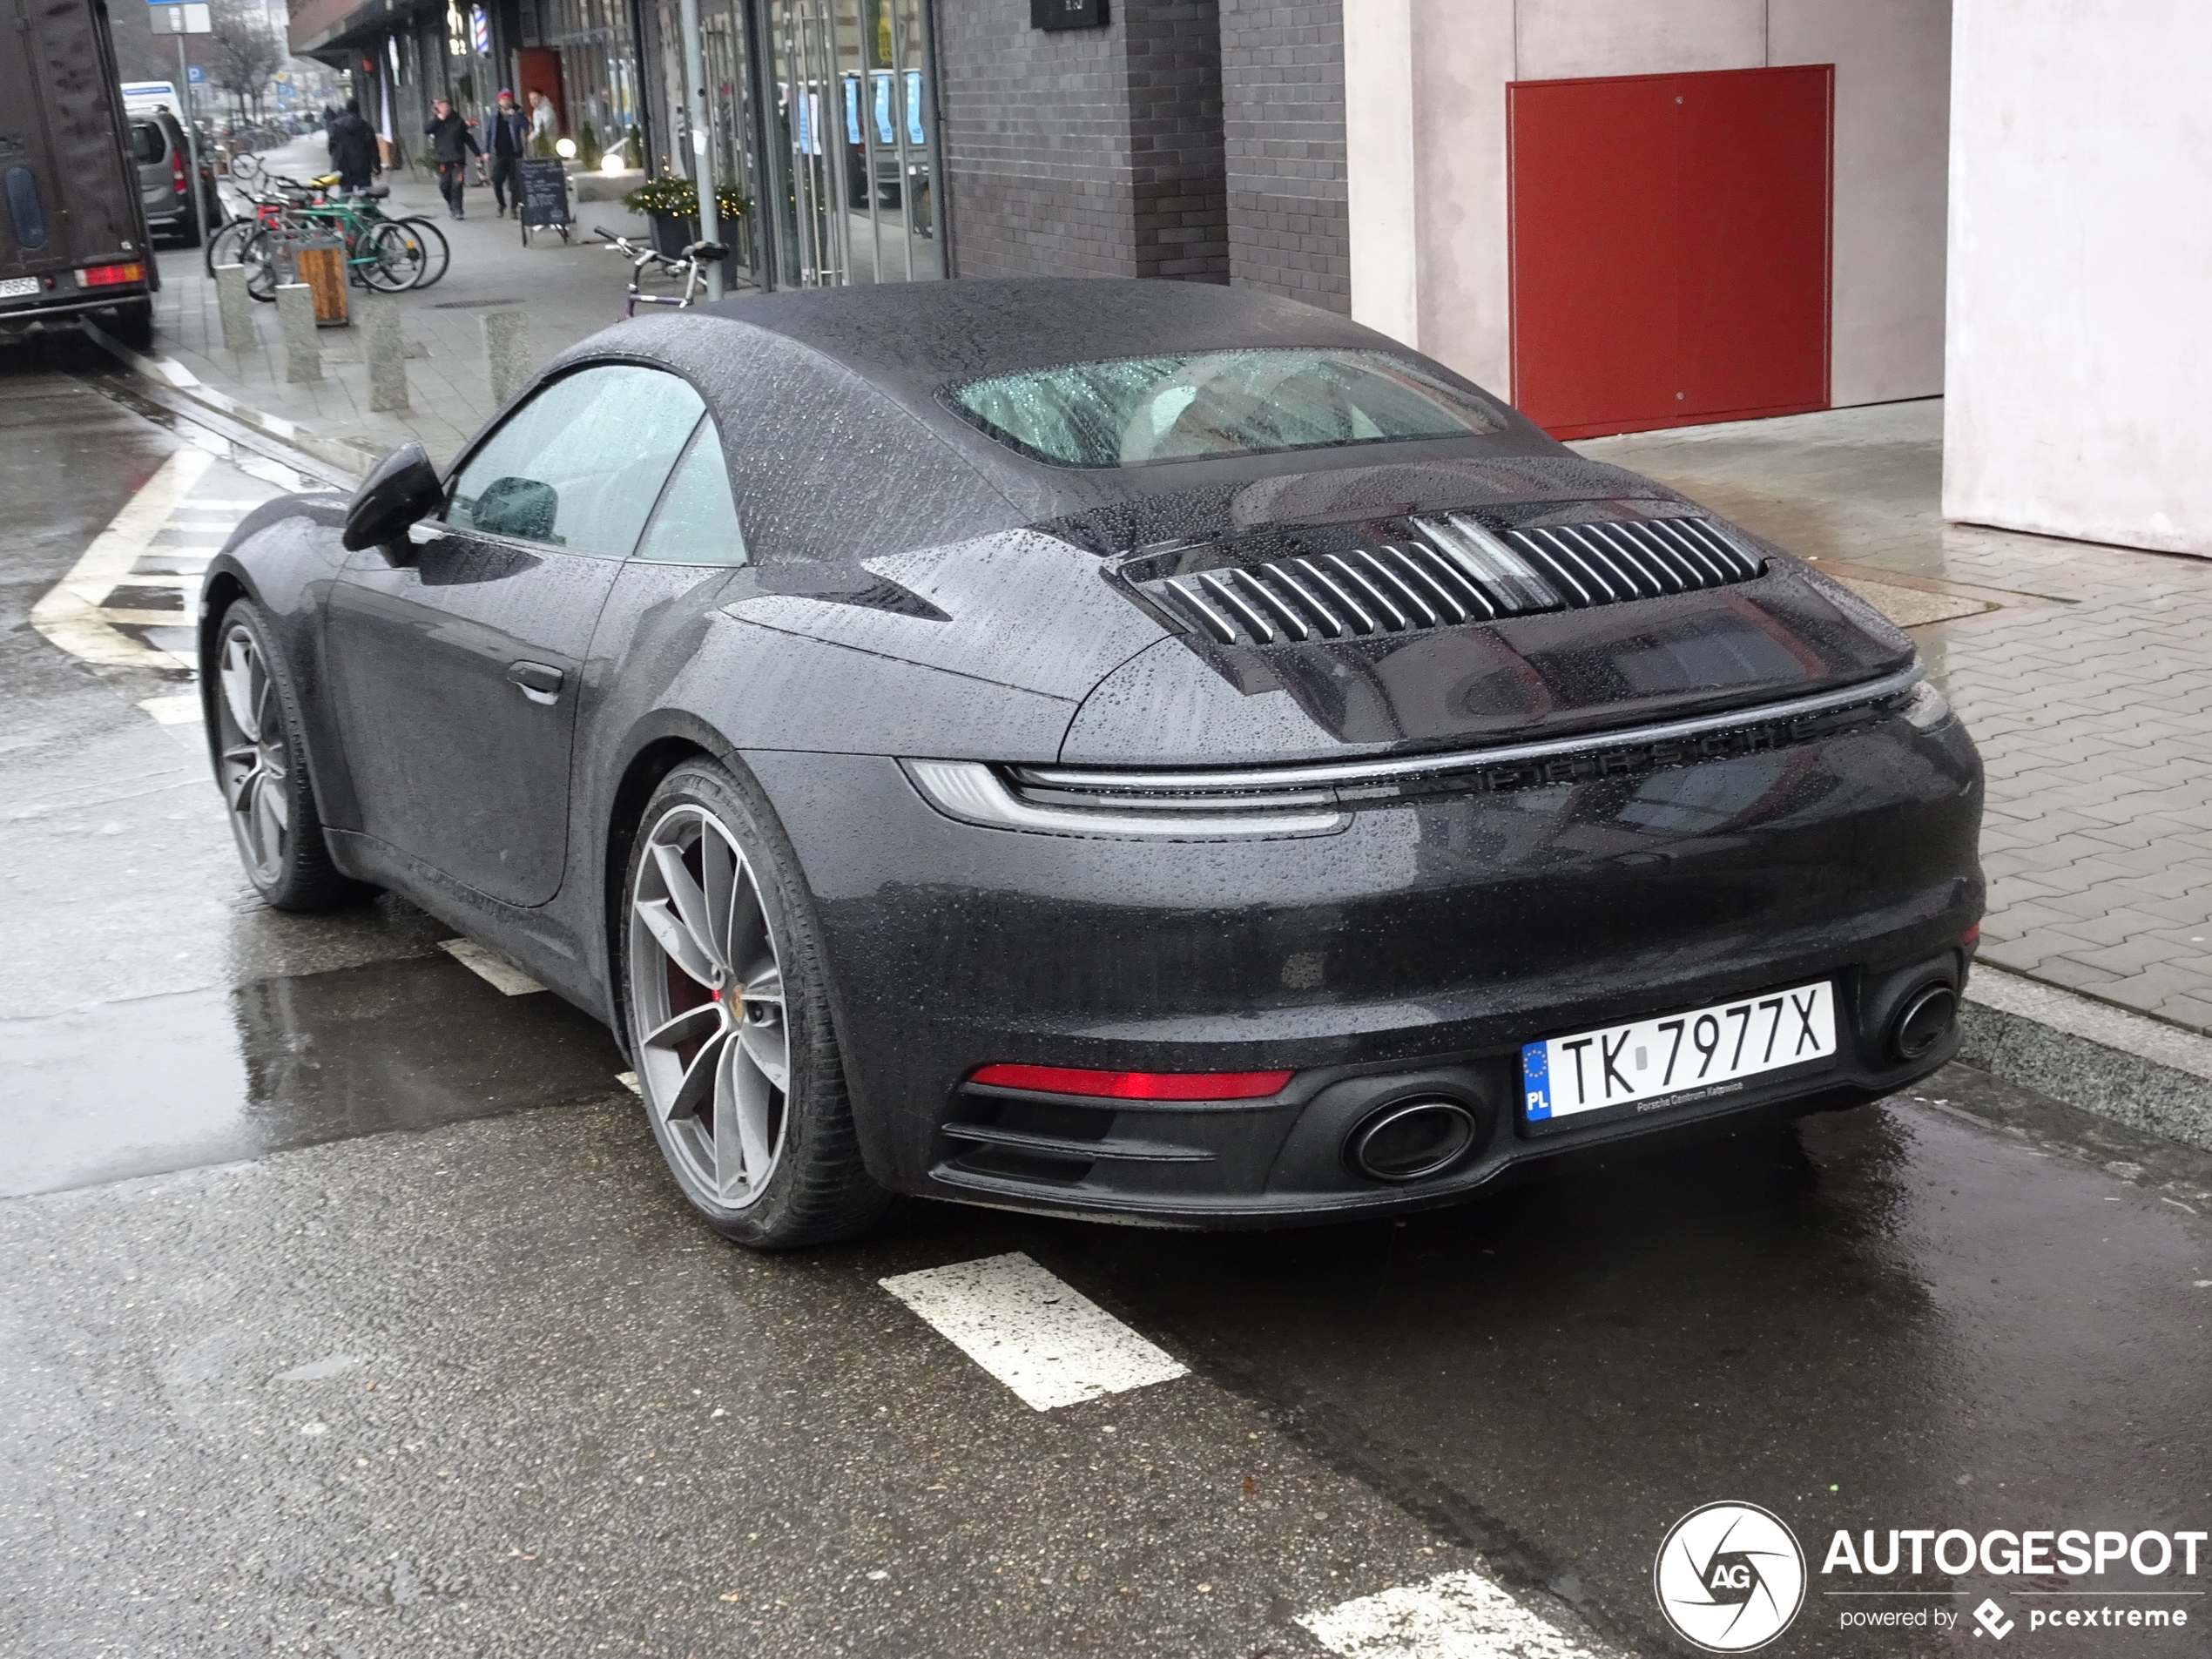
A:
(229, 242)
(714, 915)
(397, 259)
(262, 763)
(259, 256)
(434, 243)
(134, 326)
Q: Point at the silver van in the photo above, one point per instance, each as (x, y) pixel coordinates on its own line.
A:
(157, 145)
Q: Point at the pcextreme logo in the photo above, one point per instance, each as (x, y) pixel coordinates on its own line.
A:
(1729, 1577)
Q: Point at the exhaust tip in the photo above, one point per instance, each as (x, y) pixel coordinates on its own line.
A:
(1925, 1019)
(1411, 1138)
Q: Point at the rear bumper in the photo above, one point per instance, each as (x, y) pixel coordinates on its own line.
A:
(45, 316)
(1414, 953)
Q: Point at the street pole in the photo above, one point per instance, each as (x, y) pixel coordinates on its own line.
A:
(191, 140)
(702, 158)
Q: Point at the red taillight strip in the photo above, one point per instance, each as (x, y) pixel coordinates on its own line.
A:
(104, 276)
(1971, 935)
(1136, 1085)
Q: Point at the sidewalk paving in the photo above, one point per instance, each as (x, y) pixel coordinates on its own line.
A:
(2082, 670)
(569, 291)
(2088, 687)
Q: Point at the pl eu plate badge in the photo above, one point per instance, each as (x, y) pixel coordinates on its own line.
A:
(1536, 1080)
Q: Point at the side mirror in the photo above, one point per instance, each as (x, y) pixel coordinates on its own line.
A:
(403, 490)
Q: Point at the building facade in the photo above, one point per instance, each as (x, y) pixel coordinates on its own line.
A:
(1620, 215)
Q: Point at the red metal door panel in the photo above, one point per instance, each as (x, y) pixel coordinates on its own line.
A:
(1595, 310)
(1670, 246)
(1754, 246)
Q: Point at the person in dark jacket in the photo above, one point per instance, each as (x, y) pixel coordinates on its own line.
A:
(510, 138)
(353, 154)
(452, 143)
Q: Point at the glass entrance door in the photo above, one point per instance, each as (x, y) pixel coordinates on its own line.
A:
(852, 141)
(733, 116)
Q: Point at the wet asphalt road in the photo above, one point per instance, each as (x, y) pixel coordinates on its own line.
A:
(348, 1308)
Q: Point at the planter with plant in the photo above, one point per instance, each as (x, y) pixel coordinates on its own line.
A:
(671, 202)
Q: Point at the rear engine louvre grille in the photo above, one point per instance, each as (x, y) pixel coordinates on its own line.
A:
(1450, 570)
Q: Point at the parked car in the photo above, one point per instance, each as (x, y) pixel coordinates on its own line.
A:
(158, 145)
(73, 241)
(1123, 749)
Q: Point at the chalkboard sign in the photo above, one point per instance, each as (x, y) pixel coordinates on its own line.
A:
(545, 196)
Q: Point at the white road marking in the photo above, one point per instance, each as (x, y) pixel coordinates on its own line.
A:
(1457, 1615)
(182, 709)
(490, 967)
(629, 1079)
(1048, 1343)
(69, 615)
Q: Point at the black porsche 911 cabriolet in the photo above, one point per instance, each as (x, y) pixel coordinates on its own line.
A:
(1112, 748)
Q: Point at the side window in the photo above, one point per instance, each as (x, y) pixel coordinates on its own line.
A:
(580, 465)
(696, 520)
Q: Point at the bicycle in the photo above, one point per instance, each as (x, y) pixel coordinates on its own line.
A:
(389, 255)
(379, 254)
(691, 265)
(227, 244)
(438, 253)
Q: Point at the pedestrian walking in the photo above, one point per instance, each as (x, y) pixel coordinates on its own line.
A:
(353, 148)
(510, 138)
(543, 124)
(451, 143)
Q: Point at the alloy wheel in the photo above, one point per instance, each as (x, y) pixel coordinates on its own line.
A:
(257, 761)
(706, 994)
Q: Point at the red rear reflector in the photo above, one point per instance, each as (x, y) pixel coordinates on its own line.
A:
(1970, 934)
(106, 276)
(1137, 1085)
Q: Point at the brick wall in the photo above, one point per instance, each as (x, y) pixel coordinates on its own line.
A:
(1083, 153)
(1282, 78)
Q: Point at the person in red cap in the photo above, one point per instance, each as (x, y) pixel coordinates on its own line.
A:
(510, 137)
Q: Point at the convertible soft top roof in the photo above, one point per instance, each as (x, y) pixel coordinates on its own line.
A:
(910, 338)
(781, 371)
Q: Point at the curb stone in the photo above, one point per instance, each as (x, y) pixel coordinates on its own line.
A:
(173, 377)
(2129, 1067)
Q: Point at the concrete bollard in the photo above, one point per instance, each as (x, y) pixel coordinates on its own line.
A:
(386, 349)
(507, 352)
(236, 307)
(296, 317)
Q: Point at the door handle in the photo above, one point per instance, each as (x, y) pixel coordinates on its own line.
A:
(539, 682)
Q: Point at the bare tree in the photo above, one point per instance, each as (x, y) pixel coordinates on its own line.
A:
(243, 52)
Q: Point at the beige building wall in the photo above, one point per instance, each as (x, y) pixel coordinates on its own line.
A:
(1426, 128)
(1892, 61)
(2079, 343)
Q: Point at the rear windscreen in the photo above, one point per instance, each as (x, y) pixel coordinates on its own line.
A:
(146, 142)
(1136, 410)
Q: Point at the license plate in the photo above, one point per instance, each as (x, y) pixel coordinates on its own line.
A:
(18, 287)
(1678, 1058)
